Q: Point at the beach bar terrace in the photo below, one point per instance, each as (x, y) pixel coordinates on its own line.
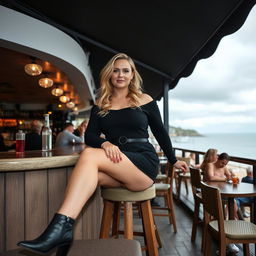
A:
(72, 41)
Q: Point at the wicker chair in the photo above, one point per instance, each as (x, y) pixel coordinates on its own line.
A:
(225, 231)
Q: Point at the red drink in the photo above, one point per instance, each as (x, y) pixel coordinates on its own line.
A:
(20, 141)
(20, 145)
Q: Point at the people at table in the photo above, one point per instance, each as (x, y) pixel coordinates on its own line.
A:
(66, 137)
(33, 139)
(218, 171)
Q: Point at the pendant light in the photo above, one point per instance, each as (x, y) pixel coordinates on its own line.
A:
(64, 98)
(45, 82)
(33, 69)
(57, 91)
(70, 104)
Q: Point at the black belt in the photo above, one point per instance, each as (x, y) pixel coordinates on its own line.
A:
(123, 140)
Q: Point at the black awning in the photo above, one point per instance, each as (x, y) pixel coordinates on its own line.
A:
(166, 38)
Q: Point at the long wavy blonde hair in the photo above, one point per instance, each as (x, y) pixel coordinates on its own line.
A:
(106, 88)
(208, 157)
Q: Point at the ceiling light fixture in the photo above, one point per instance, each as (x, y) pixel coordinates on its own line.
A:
(45, 82)
(57, 91)
(33, 69)
(64, 99)
(70, 104)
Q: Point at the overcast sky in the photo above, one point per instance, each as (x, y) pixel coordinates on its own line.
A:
(220, 95)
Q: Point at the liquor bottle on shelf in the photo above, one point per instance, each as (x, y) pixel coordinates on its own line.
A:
(46, 134)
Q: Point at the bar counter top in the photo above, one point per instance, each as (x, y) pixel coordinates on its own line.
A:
(37, 159)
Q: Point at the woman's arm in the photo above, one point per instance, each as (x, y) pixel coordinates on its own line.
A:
(93, 131)
(161, 135)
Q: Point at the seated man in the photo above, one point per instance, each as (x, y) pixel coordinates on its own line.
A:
(66, 137)
(218, 170)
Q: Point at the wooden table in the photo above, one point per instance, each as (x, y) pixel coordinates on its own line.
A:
(231, 191)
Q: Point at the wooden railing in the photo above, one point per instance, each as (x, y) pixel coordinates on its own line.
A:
(241, 160)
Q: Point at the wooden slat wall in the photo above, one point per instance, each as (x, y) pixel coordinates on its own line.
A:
(14, 209)
(36, 200)
(28, 200)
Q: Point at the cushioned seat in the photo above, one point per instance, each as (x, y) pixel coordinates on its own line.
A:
(236, 229)
(95, 247)
(122, 194)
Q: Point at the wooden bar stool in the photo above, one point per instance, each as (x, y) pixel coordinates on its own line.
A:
(113, 197)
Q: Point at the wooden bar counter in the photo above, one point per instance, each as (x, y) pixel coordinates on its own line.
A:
(32, 187)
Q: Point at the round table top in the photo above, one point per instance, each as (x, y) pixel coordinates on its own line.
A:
(234, 190)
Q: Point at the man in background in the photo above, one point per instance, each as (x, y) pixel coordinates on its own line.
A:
(218, 171)
(66, 137)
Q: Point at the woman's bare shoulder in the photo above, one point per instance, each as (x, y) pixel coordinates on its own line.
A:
(145, 98)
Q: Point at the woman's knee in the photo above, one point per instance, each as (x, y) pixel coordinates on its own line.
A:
(90, 153)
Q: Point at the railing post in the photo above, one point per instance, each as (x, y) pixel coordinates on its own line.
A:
(166, 105)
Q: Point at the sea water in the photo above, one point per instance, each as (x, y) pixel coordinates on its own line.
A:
(235, 144)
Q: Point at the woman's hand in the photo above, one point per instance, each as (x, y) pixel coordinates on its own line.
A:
(112, 151)
(181, 165)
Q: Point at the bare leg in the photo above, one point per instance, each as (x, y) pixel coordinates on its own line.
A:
(107, 181)
(85, 178)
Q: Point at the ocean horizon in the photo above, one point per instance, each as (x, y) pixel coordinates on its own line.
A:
(235, 144)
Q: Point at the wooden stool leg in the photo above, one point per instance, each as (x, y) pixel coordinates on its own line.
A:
(172, 213)
(195, 221)
(128, 220)
(106, 219)
(149, 229)
(116, 219)
(158, 238)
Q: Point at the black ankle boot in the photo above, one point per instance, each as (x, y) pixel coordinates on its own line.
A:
(58, 235)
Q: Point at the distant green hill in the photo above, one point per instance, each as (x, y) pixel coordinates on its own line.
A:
(177, 131)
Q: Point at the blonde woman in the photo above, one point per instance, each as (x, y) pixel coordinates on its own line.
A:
(123, 158)
(210, 157)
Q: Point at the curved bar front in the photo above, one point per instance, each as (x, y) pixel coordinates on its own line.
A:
(32, 187)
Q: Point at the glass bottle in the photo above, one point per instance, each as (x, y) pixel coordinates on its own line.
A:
(46, 134)
(20, 141)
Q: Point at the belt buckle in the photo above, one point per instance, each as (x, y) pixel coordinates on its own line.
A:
(122, 140)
